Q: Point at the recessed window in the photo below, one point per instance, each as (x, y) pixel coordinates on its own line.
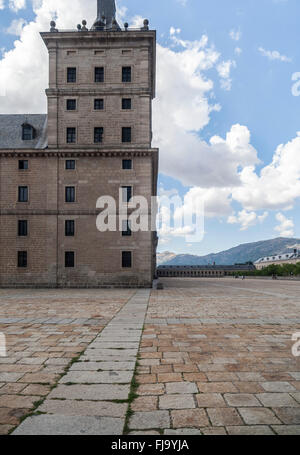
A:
(23, 165)
(69, 228)
(99, 104)
(126, 134)
(126, 74)
(71, 135)
(98, 135)
(126, 259)
(23, 194)
(22, 228)
(71, 75)
(127, 164)
(70, 193)
(126, 193)
(99, 74)
(71, 105)
(126, 103)
(126, 228)
(69, 259)
(70, 165)
(28, 132)
(22, 259)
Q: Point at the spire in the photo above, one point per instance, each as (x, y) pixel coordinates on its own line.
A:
(106, 16)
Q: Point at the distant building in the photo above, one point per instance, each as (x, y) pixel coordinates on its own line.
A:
(279, 259)
(205, 271)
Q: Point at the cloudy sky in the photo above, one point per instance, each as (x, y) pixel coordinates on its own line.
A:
(226, 117)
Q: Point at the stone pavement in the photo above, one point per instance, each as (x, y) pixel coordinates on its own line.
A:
(214, 358)
(91, 398)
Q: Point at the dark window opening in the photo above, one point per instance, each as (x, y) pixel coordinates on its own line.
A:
(126, 193)
(69, 228)
(71, 75)
(127, 164)
(98, 135)
(99, 74)
(126, 103)
(126, 134)
(69, 259)
(22, 228)
(22, 258)
(23, 164)
(99, 104)
(126, 228)
(126, 259)
(126, 74)
(71, 135)
(70, 164)
(23, 194)
(71, 105)
(28, 132)
(70, 193)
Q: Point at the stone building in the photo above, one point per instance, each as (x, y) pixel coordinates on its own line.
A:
(278, 259)
(94, 141)
(203, 271)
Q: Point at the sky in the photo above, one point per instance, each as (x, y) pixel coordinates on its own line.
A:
(226, 115)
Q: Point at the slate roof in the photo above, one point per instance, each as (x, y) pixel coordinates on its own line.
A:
(279, 257)
(11, 131)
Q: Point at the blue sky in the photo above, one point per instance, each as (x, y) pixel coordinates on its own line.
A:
(259, 98)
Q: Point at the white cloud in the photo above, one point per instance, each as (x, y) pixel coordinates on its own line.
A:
(247, 219)
(16, 5)
(274, 55)
(2, 5)
(16, 27)
(224, 70)
(238, 51)
(286, 226)
(235, 34)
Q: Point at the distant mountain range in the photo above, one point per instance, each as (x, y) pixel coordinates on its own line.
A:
(237, 255)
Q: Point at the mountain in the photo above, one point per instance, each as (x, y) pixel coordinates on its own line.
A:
(239, 254)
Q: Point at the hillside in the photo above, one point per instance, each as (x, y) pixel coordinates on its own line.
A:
(239, 254)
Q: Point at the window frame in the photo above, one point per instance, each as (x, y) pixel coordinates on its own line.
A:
(22, 259)
(74, 100)
(128, 231)
(123, 260)
(70, 168)
(67, 187)
(68, 132)
(67, 232)
(124, 77)
(102, 73)
(124, 168)
(101, 135)
(23, 168)
(123, 138)
(67, 75)
(20, 234)
(124, 100)
(99, 99)
(66, 266)
(19, 194)
(131, 193)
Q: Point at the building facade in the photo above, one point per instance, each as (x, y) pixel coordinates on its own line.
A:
(94, 141)
(278, 259)
(203, 271)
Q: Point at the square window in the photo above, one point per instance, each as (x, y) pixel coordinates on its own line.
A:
(23, 194)
(69, 228)
(22, 259)
(71, 75)
(23, 165)
(70, 164)
(22, 228)
(71, 105)
(28, 132)
(127, 164)
(126, 259)
(69, 259)
(71, 135)
(98, 104)
(126, 74)
(98, 135)
(70, 193)
(126, 103)
(126, 193)
(99, 74)
(126, 134)
(126, 228)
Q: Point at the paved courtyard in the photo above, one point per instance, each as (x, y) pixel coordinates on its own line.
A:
(214, 357)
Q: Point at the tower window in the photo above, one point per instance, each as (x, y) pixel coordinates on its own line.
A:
(70, 193)
(98, 104)
(99, 74)
(69, 259)
(71, 75)
(70, 164)
(126, 259)
(22, 228)
(126, 228)
(23, 194)
(98, 135)
(127, 164)
(71, 135)
(28, 132)
(126, 134)
(126, 193)
(71, 105)
(126, 74)
(126, 103)
(22, 259)
(69, 228)
(23, 165)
